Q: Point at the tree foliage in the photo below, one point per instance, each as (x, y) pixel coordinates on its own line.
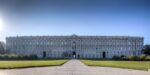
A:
(146, 49)
(2, 47)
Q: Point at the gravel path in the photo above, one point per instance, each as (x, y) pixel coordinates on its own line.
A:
(73, 67)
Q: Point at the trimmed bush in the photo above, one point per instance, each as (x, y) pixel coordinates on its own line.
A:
(133, 58)
(142, 57)
(122, 57)
(147, 58)
(116, 58)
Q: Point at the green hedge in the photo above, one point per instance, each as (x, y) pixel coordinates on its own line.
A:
(134, 58)
(17, 57)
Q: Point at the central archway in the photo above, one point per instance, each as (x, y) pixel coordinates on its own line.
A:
(44, 54)
(104, 54)
(74, 54)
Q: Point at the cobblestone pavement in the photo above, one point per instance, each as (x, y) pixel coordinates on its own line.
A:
(73, 67)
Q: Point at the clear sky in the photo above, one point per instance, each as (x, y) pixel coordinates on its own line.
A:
(81, 17)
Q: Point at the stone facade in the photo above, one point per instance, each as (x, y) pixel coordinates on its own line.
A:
(75, 46)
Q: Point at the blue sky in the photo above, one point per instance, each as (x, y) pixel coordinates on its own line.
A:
(81, 17)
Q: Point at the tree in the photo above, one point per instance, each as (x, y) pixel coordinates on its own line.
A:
(2, 47)
(146, 49)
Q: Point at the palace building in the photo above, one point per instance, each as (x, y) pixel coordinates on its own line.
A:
(75, 46)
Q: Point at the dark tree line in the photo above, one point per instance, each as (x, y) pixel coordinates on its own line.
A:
(146, 49)
(2, 47)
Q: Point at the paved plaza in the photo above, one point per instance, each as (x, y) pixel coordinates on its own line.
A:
(73, 67)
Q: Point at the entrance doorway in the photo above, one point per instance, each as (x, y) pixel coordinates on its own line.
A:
(74, 54)
(104, 54)
(44, 54)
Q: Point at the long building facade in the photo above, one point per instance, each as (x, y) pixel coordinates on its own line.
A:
(75, 46)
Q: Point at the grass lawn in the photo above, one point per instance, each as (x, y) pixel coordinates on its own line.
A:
(139, 65)
(30, 63)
